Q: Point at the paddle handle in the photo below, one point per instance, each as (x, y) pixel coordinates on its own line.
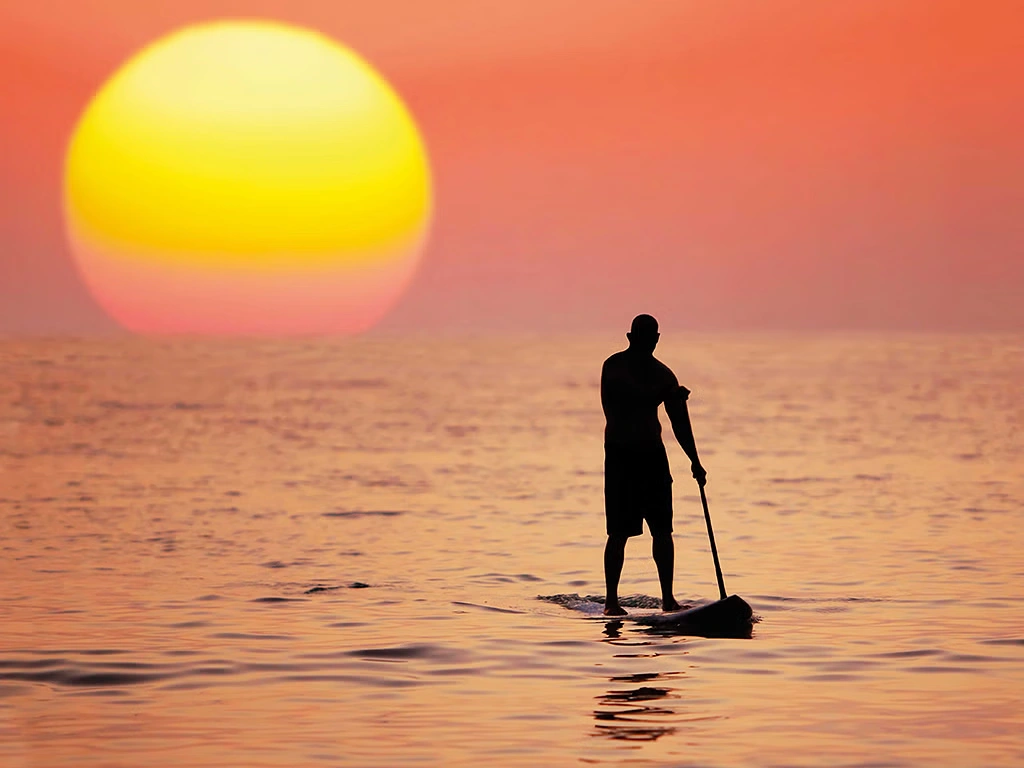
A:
(711, 538)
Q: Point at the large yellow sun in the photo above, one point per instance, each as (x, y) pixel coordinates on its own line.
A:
(247, 177)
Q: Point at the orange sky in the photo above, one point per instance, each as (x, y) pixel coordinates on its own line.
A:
(733, 165)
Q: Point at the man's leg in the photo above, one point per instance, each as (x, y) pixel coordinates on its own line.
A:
(614, 554)
(664, 557)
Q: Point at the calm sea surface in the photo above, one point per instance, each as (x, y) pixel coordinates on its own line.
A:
(330, 553)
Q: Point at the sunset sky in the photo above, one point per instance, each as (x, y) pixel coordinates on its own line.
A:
(723, 165)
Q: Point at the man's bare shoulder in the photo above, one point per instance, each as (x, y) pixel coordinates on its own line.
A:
(618, 360)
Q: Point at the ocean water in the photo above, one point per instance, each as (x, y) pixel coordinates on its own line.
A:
(306, 553)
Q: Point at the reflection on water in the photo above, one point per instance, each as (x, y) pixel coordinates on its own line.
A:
(636, 714)
(328, 552)
(645, 713)
(644, 707)
(613, 629)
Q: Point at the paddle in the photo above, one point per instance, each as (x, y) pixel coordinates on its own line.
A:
(714, 549)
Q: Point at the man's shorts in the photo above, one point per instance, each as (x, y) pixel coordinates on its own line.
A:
(637, 487)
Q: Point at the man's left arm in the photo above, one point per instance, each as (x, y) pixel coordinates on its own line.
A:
(679, 415)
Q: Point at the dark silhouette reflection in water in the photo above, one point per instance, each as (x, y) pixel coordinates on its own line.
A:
(647, 709)
(642, 711)
(635, 714)
(612, 629)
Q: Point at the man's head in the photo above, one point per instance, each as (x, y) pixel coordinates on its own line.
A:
(643, 334)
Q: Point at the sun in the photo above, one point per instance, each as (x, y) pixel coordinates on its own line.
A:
(247, 177)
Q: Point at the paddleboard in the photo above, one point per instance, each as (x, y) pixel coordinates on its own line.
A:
(722, 618)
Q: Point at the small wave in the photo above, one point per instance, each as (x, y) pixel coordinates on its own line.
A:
(829, 677)
(59, 672)
(1004, 641)
(120, 405)
(365, 513)
(277, 600)
(425, 651)
(320, 588)
(348, 384)
(509, 578)
(486, 607)
(180, 406)
(65, 672)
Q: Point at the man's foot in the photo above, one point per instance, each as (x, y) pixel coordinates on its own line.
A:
(614, 609)
(669, 604)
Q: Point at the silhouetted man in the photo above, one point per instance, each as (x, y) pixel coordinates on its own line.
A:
(637, 482)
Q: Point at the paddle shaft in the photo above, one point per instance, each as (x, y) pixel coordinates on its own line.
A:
(711, 538)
